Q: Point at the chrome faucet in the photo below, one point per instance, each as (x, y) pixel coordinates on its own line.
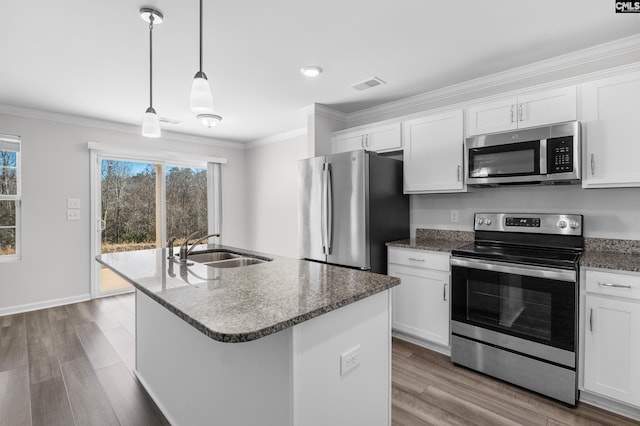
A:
(184, 251)
(170, 242)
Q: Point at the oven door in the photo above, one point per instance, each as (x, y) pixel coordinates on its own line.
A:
(527, 309)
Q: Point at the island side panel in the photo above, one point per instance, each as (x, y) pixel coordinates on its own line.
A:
(196, 380)
(362, 396)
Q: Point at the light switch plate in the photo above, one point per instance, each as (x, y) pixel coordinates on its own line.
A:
(73, 203)
(73, 214)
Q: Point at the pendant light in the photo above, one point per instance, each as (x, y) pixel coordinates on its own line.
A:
(201, 99)
(151, 122)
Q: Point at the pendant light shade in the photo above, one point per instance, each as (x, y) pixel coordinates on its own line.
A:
(151, 122)
(201, 99)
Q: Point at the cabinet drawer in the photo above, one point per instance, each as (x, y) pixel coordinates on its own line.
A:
(419, 258)
(613, 284)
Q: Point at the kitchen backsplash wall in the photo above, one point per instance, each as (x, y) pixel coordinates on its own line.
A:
(608, 213)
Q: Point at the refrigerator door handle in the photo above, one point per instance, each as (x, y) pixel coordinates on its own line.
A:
(329, 210)
(323, 209)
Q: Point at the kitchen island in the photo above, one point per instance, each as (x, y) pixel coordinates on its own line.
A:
(283, 342)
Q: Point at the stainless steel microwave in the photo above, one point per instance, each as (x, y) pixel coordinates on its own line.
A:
(538, 155)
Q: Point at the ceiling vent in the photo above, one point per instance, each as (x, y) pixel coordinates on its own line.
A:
(369, 83)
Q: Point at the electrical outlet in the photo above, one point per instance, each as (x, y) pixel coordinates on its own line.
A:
(455, 215)
(73, 214)
(349, 360)
(73, 203)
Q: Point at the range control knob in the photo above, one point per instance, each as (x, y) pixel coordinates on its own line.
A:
(480, 221)
(574, 224)
(488, 222)
(562, 224)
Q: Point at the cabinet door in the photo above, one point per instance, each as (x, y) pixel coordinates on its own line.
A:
(612, 348)
(433, 148)
(492, 117)
(383, 138)
(421, 303)
(611, 118)
(347, 142)
(552, 106)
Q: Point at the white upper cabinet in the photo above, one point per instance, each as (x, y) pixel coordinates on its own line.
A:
(377, 138)
(528, 110)
(611, 123)
(433, 153)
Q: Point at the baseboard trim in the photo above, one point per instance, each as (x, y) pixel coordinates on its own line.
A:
(154, 398)
(445, 350)
(610, 405)
(43, 305)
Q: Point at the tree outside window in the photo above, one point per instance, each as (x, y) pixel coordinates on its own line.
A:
(9, 196)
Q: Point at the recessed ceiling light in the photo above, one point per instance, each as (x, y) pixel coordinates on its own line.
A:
(311, 71)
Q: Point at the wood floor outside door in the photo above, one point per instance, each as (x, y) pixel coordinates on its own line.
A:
(73, 365)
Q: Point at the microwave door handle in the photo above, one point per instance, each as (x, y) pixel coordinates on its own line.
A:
(543, 156)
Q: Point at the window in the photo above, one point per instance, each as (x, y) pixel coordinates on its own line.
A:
(9, 197)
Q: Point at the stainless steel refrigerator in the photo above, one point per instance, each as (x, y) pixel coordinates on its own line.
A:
(350, 205)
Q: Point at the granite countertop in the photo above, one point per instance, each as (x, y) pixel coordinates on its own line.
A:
(435, 240)
(607, 253)
(604, 253)
(245, 303)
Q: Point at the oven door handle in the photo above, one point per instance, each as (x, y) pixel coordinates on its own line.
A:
(509, 268)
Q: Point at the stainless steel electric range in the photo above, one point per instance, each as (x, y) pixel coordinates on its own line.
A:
(514, 301)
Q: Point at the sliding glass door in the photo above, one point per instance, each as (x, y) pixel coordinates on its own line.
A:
(139, 204)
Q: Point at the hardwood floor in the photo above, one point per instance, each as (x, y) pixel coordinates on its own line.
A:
(73, 365)
(429, 390)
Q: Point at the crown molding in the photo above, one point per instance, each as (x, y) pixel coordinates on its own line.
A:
(276, 138)
(326, 112)
(111, 125)
(592, 54)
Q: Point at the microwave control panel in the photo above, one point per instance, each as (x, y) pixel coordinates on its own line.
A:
(560, 155)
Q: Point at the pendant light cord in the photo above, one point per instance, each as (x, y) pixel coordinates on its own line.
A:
(200, 35)
(151, 60)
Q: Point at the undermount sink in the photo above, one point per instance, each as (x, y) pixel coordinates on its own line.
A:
(225, 259)
(212, 256)
(234, 263)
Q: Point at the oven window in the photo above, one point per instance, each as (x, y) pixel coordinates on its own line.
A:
(505, 160)
(536, 309)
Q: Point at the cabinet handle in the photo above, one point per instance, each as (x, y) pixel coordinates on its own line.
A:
(415, 259)
(459, 167)
(520, 113)
(614, 285)
(513, 108)
(593, 165)
(444, 292)
(366, 141)
(591, 319)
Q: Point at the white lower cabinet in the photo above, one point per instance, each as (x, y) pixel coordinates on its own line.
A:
(612, 336)
(420, 304)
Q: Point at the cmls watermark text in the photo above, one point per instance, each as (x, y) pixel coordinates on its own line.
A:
(628, 7)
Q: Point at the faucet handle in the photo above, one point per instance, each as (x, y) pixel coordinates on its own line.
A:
(170, 242)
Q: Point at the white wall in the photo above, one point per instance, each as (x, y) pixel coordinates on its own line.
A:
(56, 253)
(271, 185)
(608, 213)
